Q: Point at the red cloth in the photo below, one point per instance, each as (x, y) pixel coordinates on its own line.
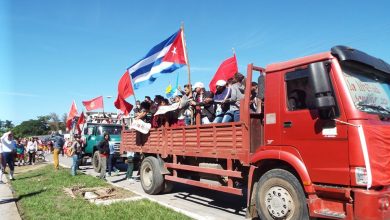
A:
(95, 103)
(378, 142)
(176, 53)
(125, 107)
(225, 71)
(72, 113)
(125, 88)
(80, 121)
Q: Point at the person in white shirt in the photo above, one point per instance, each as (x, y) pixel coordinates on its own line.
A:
(1, 164)
(32, 148)
(9, 148)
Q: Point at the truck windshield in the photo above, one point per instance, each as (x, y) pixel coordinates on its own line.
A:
(112, 130)
(368, 87)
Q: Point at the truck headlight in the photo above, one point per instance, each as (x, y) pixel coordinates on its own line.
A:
(361, 176)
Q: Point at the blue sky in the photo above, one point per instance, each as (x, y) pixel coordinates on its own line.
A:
(53, 52)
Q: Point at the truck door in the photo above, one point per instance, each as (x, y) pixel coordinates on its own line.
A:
(322, 144)
(91, 139)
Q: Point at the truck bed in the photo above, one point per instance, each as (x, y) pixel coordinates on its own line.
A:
(223, 140)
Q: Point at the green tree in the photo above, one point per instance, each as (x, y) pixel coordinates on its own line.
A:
(33, 127)
(5, 126)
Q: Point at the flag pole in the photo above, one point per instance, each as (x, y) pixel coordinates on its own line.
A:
(186, 55)
(132, 86)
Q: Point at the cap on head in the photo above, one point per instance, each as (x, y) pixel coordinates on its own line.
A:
(198, 85)
(221, 83)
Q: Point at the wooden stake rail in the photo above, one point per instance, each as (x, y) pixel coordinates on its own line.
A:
(220, 172)
(226, 189)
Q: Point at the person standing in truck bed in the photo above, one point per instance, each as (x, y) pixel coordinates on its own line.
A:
(143, 115)
(204, 99)
(221, 96)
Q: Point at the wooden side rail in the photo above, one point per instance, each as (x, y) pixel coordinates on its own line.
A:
(225, 189)
(220, 172)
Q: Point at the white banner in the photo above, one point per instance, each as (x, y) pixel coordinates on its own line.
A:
(164, 109)
(141, 126)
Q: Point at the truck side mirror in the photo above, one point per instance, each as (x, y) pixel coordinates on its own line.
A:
(260, 86)
(319, 79)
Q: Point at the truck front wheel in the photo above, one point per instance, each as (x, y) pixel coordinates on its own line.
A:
(279, 195)
(152, 180)
(96, 161)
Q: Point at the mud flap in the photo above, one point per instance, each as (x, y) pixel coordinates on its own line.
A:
(251, 211)
(163, 169)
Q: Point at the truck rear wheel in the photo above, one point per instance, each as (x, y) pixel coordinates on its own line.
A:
(96, 161)
(152, 180)
(279, 195)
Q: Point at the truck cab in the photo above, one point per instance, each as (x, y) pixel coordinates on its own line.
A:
(93, 133)
(327, 116)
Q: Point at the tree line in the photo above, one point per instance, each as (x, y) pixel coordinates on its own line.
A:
(43, 125)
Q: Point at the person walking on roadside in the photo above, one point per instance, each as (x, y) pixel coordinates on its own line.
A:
(9, 149)
(32, 148)
(130, 167)
(75, 152)
(58, 143)
(20, 152)
(104, 151)
(112, 160)
(1, 164)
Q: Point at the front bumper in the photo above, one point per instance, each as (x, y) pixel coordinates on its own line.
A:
(371, 204)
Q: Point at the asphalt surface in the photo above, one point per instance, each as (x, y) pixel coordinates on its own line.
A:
(8, 209)
(195, 202)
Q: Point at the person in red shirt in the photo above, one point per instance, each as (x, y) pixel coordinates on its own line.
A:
(104, 150)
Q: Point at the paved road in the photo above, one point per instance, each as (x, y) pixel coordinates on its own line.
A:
(8, 209)
(196, 202)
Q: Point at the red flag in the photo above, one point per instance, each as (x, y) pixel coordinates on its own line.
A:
(72, 113)
(80, 121)
(225, 71)
(125, 89)
(176, 53)
(125, 107)
(95, 103)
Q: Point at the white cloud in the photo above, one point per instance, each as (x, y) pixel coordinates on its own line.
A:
(19, 94)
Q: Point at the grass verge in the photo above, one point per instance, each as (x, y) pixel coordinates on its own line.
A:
(40, 196)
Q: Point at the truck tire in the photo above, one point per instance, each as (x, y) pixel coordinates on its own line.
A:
(279, 195)
(152, 180)
(96, 161)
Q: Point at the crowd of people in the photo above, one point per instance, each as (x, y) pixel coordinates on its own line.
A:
(219, 107)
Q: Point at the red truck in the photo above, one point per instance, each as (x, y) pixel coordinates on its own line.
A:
(320, 147)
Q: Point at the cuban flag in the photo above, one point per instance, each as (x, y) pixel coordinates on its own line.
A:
(165, 57)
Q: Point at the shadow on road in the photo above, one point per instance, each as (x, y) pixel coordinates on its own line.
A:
(213, 199)
(28, 177)
(28, 195)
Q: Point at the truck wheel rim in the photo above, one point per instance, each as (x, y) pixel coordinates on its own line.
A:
(147, 177)
(279, 202)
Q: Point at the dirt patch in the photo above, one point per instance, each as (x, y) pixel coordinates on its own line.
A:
(98, 193)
